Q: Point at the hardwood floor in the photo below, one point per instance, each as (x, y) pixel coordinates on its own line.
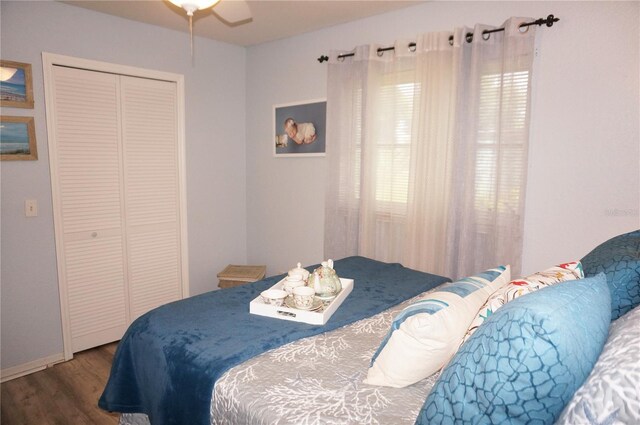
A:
(65, 394)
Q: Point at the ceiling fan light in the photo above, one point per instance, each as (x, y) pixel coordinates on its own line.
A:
(192, 5)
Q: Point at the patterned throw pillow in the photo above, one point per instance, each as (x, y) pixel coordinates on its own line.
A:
(425, 334)
(619, 259)
(525, 363)
(611, 393)
(519, 287)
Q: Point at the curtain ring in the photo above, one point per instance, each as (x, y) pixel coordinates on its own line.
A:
(450, 40)
(380, 53)
(412, 47)
(340, 58)
(486, 35)
(469, 37)
(523, 28)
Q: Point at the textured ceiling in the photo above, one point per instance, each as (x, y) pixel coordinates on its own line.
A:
(272, 20)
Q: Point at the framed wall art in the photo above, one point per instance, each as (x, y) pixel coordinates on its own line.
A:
(17, 138)
(16, 87)
(300, 129)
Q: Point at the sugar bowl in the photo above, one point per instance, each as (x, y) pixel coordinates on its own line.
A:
(300, 271)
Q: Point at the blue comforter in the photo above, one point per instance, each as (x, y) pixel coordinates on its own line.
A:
(170, 358)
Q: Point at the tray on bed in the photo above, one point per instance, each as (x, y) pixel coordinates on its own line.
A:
(318, 317)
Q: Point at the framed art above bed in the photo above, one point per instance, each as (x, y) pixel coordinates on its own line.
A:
(300, 129)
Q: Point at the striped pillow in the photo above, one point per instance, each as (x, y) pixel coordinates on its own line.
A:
(427, 333)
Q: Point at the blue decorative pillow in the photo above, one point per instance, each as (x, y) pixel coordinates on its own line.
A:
(526, 361)
(619, 259)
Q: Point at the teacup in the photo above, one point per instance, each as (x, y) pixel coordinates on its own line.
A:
(291, 282)
(274, 297)
(303, 297)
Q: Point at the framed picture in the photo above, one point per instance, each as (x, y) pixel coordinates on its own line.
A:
(300, 129)
(16, 87)
(17, 138)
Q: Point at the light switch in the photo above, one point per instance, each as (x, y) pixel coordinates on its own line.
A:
(31, 208)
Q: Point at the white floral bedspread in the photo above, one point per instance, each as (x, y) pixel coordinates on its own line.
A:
(318, 380)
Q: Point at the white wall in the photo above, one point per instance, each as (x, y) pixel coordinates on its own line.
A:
(215, 138)
(584, 158)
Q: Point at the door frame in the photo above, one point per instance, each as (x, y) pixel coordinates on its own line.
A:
(49, 60)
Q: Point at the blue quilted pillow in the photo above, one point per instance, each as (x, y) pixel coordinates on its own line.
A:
(619, 259)
(526, 361)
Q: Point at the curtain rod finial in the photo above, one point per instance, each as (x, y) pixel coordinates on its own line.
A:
(323, 58)
(551, 19)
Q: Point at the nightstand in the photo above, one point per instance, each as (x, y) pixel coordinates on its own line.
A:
(234, 275)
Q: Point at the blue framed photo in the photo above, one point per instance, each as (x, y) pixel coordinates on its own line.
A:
(16, 87)
(300, 129)
(17, 138)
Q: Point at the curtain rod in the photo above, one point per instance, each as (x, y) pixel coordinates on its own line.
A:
(548, 21)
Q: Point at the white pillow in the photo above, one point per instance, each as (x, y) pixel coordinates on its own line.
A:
(424, 335)
(611, 393)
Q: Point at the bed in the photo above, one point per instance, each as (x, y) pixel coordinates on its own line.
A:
(315, 380)
(305, 374)
(169, 359)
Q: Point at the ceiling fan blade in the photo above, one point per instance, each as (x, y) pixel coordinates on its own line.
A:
(233, 12)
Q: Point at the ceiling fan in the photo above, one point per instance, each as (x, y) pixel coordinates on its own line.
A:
(231, 12)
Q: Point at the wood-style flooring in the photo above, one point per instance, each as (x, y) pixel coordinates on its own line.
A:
(65, 394)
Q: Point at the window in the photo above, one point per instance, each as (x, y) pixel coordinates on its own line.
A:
(500, 165)
(498, 176)
(391, 158)
(394, 144)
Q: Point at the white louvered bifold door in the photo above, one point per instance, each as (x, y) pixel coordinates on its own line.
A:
(90, 204)
(115, 174)
(149, 129)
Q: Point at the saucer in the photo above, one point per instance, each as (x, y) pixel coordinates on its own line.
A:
(326, 299)
(316, 304)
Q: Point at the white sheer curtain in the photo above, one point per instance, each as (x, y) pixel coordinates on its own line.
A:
(427, 150)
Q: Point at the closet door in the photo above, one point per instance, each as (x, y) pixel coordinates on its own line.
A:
(115, 173)
(149, 139)
(87, 182)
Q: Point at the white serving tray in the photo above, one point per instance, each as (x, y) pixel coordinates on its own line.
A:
(318, 317)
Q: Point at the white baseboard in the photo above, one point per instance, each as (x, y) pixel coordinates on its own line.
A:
(30, 367)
